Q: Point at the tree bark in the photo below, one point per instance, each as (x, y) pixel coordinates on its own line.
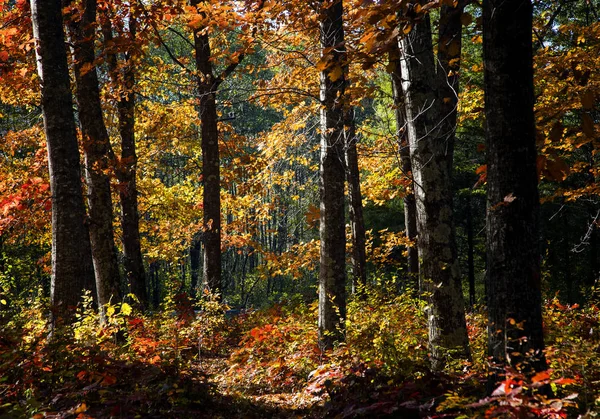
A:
(431, 120)
(355, 207)
(207, 90)
(471, 251)
(332, 272)
(127, 169)
(97, 153)
(513, 258)
(72, 267)
(410, 204)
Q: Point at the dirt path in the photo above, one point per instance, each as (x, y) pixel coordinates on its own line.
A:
(248, 403)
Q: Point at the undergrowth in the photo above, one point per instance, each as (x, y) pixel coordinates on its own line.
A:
(163, 364)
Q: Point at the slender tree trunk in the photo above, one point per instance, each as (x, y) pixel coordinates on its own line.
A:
(431, 121)
(2, 269)
(355, 207)
(513, 258)
(195, 266)
(410, 204)
(127, 169)
(155, 283)
(207, 90)
(72, 267)
(566, 245)
(97, 152)
(332, 273)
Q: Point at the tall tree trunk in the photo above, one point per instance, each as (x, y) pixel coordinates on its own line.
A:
(332, 272)
(513, 258)
(72, 267)
(410, 204)
(207, 89)
(97, 152)
(127, 169)
(355, 207)
(431, 121)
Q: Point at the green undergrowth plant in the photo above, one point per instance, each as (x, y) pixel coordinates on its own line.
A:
(387, 331)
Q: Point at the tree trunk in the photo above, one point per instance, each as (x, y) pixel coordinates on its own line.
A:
(127, 169)
(207, 90)
(410, 204)
(355, 207)
(332, 273)
(431, 121)
(195, 266)
(471, 251)
(513, 258)
(72, 267)
(97, 152)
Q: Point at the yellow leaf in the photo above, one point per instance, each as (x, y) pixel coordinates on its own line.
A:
(126, 309)
(3, 301)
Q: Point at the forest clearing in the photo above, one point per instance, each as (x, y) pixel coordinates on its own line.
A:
(324, 208)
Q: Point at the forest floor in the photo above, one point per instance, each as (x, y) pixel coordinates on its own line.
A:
(177, 363)
(136, 390)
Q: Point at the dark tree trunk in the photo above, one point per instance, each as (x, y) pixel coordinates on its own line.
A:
(471, 251)
(593, 275)
(566, 245)
(410, 204)
(430, 109)
(207, 90)
(355, 207)
(127, 169)
(97, 152)
(332, 273)
(72, 267)
(513, 258)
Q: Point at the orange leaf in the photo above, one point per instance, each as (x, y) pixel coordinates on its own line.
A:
(336, 73)
(540, 376)
(565, 381)
(81, 408)
(322, 63)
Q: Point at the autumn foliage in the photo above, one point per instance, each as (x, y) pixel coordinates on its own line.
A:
(252, 349)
